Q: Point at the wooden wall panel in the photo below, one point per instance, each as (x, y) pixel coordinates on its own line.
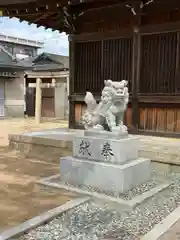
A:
(151, 119)
(178, 120)
(142, 118)
(117, 59)
(154, 119)
(88, 67)
(157, 17)
(161, 115)
(78, 112)
(160, 119)
(97, 61)
(149, 115)
(97, 20)
(158, 64)
(171, 121)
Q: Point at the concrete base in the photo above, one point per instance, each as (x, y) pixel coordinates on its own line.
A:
(46, 145)
(104, 176)
(106, 149)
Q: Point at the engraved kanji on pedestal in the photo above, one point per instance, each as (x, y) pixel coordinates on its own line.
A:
(84, 148)
(107, 151)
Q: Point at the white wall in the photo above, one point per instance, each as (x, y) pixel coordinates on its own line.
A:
(14, 96)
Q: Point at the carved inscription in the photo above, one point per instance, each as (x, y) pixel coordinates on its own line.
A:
(84, 148)
(107, 151)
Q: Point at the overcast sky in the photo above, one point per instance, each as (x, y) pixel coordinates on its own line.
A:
(53, 41)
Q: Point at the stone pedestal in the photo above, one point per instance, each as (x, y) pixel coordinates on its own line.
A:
(108, 164)
(108, 150)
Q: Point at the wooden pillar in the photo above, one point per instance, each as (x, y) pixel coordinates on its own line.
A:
(135, 81)
(136, 68)
(177, 73)
(38, 101)
(72, 45)
(53, 82)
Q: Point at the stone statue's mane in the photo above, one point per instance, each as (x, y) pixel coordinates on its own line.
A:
(109, 111)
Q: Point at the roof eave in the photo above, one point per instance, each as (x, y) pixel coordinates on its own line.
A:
(15, 67)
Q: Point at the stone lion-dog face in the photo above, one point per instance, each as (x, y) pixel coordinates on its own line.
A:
(118, 87)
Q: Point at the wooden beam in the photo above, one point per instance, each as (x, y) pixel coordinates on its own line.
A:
(42, 17)
(177, 72)
(31, 11)
(45, 85)
(115, 13)
(157, 5)
(94, 5)
(155, 99)
(47, 23)
(32, 14)
(48, 76)
(117, 33)
(162, 4)
(125, 32)
(36, 4)
(160, 28)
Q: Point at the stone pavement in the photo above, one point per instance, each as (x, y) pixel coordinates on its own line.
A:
(173, 233)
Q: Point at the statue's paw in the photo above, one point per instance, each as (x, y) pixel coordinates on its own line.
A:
(119, 129)
(98, 127)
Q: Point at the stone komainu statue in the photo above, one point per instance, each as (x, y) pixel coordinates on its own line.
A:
(109, 113)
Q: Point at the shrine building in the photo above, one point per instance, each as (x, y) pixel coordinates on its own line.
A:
(21, 65)
(136, 40)
(12, 73)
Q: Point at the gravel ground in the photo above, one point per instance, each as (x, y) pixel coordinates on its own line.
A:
(104, 221)
(127, 196)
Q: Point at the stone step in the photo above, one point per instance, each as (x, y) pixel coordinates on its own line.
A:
(105, 176)
(47, 147)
